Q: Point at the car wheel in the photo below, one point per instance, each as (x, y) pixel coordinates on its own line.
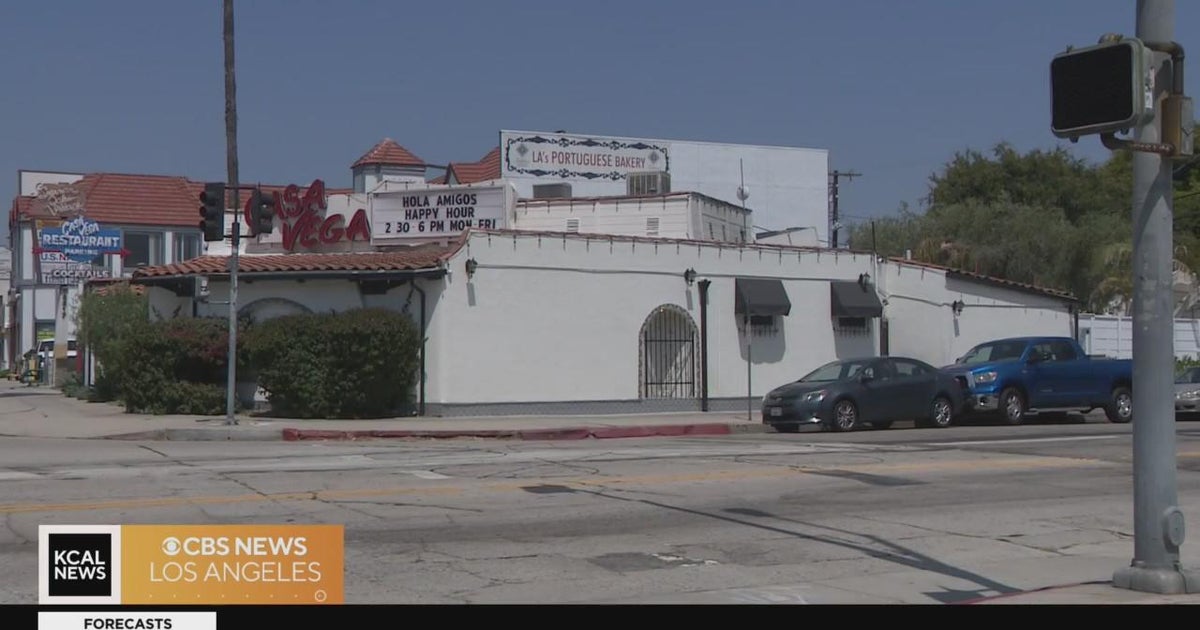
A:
(941, 413)
(1012, 405)
(1120, 406)
(845, 415)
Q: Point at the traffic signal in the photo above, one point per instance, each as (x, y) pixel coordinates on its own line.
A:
(212, 212)
(1099, 89)
(262, 212)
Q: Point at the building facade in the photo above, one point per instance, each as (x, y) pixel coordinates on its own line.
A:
(574, 290)
(555, 322)
(68, 228)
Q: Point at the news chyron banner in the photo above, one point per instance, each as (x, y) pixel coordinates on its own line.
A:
(164, 565)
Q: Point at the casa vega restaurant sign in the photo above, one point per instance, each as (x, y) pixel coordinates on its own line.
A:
(306, 221)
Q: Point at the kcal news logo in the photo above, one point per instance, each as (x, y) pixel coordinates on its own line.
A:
(79, 564)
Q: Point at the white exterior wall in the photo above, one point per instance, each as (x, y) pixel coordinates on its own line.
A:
(788, 186)
(716, 220)
(620, 216)
(796, 238)
(26, 244)
(1112, 335)
(687, 216)
(26, 330)
(559, 318)
(922, 325)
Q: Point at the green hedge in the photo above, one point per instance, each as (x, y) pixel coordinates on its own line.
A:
(176, 366)
(357, 364)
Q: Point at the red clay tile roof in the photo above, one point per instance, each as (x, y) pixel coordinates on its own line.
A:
(411, 259)
(130, 199)
(487, 168)
(1001, 282)
(125, 199)
(103, 286)
(440, 179)
(390, 153)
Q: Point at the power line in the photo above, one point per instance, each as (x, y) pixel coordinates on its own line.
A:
(833, 203)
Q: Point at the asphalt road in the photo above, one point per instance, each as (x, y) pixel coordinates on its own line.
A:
(902, 515)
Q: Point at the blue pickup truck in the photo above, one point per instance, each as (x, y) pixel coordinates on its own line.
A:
(1044, 375)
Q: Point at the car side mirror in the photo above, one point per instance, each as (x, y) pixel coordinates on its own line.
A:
(864, 378)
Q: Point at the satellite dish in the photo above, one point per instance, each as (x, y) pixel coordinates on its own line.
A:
(743, 192)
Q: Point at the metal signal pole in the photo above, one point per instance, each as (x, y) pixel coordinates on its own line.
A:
(1158, 522)
(231, 164)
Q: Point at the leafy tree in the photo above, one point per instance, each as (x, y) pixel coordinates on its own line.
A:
(1042, 217)
(106, 319)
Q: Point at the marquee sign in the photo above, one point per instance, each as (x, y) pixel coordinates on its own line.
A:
(401, 215)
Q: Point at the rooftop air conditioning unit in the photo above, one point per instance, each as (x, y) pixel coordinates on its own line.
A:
(552, 191)
(649, 183)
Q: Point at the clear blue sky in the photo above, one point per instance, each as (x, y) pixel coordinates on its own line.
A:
(892, 88)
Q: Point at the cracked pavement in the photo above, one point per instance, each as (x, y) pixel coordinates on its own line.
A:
(898, 516)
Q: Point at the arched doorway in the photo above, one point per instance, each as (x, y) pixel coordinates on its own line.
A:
(268, 308)
(667, 355)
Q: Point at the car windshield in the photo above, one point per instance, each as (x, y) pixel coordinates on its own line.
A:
(995, 351)
(836, 371)
(1188, 376)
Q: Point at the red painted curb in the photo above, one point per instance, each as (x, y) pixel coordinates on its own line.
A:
(573, 433)
(555, 434)
(662, 430)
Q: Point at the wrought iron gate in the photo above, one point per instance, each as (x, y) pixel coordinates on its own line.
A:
(668, 354)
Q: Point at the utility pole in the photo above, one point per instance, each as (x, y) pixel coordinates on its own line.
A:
(833, 203)
(231, 165)
(1158, 521)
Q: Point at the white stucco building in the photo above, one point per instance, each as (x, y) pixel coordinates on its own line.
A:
(628, 278)
(532, 322)
(784, 186)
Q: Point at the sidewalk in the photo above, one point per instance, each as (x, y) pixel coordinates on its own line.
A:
(1095, 593)
(45, 412)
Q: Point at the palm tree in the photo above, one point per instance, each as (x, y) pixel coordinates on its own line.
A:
(1114, 293)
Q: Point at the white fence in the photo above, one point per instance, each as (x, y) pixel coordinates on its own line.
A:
(1112, 335)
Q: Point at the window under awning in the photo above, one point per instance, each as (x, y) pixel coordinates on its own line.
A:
(754, 296)
(851, 299)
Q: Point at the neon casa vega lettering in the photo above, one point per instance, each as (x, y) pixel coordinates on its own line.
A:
(305, 224)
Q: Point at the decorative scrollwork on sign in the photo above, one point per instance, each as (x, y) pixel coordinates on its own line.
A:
(520, 145)
(60, 200)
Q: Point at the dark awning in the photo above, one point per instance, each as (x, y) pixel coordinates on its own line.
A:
(760, 297)
(851, 299)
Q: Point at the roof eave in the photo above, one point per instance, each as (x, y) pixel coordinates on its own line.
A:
(1005, 284)
(339, 274)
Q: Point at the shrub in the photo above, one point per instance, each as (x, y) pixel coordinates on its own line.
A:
(356, 364)
(176, 366)
(105, 320)
(1186, 362)
(73, 386)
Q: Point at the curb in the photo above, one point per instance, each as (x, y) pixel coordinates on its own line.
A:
(571, 433)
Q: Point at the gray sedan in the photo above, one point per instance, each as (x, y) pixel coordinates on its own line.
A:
(1187, 394)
